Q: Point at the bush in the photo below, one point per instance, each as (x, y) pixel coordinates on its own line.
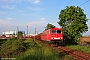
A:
(28, 50)
(37, 51)
(30, 43)
(12, 47)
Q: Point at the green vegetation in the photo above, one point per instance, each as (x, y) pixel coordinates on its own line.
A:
(80, 48)
(37, 51)
(12, 47)
(73, 21)
(2, 41)
(30, 50)
(20, 34)
(49, 26)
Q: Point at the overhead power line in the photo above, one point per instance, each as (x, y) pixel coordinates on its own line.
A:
(70, 2)
(85, 2)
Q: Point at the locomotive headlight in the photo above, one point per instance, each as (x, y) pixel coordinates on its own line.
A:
(61, 38)
(51, 38)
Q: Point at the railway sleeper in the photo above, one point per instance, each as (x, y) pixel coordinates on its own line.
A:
(76, 57)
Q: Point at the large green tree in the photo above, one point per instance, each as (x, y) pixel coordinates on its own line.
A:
(73, 21)
(49, 26)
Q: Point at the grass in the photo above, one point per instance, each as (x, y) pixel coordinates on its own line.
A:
(37, 51)
(31, 50)
(80, 48)
(11, 48)
(37, 54)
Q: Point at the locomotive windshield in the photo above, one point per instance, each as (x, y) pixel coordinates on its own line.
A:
(56, 31)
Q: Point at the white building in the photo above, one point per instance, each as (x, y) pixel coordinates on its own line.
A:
(11, 33)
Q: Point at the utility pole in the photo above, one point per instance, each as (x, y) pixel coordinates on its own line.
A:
(35, 33)
(27, 30)
(17, 29)
(17, 32)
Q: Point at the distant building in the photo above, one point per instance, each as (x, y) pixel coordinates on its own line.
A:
(12, 33)
(31, 34)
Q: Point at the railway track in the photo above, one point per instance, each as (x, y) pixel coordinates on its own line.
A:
(77, 55)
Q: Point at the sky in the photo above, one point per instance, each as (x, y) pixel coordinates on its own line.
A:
(36, 13)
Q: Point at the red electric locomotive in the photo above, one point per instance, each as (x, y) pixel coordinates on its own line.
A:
(52, 35)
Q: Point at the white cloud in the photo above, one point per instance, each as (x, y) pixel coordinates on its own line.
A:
(34, 1)
(36, 9)
(8, 19)
(2, 21)
(8, 6)
(1, 13)
(43, 19)
(20, 11)
(10, 1)
(7, 24)
(16, 1)
(37, 23)
(40, 24)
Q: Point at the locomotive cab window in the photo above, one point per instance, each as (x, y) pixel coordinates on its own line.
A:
(53, 31)
(56, 31)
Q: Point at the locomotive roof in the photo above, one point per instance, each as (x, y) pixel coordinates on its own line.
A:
(55, 28)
